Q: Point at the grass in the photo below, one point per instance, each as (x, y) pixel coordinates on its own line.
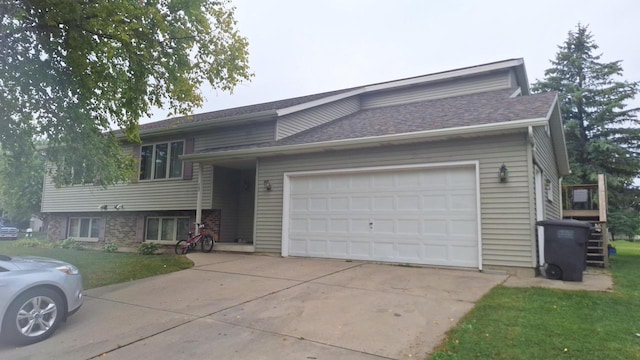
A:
(537, 323)
(101, 268)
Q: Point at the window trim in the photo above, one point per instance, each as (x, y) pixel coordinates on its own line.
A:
(152, 170)
(84, 239)
(176, 235)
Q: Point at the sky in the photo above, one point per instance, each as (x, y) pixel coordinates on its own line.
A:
(302, 47)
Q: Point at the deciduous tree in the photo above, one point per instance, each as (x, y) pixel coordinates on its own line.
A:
(71, 70)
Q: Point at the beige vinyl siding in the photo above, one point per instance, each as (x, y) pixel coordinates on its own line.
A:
(496, 81)
(299, 121)
(545, 159)
(505, 216)
(173, 194)
(235, 135)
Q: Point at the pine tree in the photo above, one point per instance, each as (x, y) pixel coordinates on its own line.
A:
(602, 134)
(601, 131)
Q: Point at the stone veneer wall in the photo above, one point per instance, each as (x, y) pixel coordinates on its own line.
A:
(55, 228)
(121, 227)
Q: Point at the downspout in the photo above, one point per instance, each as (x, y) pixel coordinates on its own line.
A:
(561, 199)
(199, 197)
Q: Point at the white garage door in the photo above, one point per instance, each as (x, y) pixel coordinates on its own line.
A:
(414, 215)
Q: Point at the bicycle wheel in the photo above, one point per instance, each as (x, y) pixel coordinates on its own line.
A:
(207, 244)
(182, 247)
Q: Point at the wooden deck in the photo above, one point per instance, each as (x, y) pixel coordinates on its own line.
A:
(589, 203)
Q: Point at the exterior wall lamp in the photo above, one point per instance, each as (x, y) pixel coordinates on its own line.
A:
(267, 185)
(102, 207)
(503, 173)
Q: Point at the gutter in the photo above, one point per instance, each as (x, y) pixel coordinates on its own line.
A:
(172, 127)
(366, 141)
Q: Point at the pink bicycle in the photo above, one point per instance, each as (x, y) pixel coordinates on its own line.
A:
(206, 242)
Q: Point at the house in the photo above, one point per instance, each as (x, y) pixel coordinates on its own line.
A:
(449, 169)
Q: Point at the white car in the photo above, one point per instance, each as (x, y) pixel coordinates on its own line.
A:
(36, 294)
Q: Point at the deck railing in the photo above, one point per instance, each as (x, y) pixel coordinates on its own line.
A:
(586, 202)
(580, 197)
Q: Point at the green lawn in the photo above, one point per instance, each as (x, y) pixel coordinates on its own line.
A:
(100, 268)
(536, 323)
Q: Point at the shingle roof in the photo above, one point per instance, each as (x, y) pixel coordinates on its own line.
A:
(280, 104)
(476, 109)
(237, 111)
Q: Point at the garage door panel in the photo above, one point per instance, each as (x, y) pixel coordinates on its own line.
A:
(360, 203)
(318, 204)
(338, 248)
(298, 204)
(382, 181)
(435, 226)
(383, 203)
(360, 249)
(425, 216)
(434, 179)
(436, 253)
(339, 203)
(360, 181)
(299, 225)
(467, 228)
(383, 250)
(435, 202)
(338, 226)
(318, 225)
(409, 226)
(383, 226)
(412, 251)
(408, 202)
(317, 247)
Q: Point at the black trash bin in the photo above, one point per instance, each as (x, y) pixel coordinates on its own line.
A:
(565, 248)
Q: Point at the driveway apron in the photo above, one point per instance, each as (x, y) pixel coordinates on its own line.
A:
(232, 306)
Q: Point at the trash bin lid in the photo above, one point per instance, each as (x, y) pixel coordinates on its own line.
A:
(568, 222)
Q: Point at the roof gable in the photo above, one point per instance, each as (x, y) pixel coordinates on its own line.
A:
(273, 109)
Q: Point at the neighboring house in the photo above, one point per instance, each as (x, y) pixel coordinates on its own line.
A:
(406, 171)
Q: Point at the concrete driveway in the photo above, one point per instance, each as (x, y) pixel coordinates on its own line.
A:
(232, 306)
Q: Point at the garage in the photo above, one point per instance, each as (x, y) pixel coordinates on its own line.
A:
(418, 214)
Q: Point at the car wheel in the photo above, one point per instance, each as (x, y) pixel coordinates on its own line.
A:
(33, 316)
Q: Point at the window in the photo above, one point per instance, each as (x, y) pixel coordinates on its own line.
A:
(84, 229)
(166, 228)
(161, 161)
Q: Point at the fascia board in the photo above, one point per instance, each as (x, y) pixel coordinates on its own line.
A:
(415, 81)
(366, 141)
(318, 102)
(558, 139)
(446, 75)
(229, 120)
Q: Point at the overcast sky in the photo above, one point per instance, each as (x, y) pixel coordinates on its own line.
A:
(301, 47)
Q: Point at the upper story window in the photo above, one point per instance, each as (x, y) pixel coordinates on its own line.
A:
(160, 161)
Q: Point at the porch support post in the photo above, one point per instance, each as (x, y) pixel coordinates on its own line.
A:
(199, 197)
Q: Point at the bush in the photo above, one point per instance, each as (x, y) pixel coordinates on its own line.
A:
(30, 243)
(110, 248)
(69, 243)
(148, 248)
